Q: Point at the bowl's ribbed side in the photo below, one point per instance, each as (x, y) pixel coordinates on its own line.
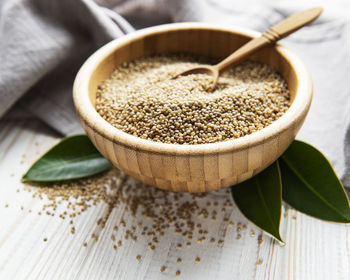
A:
(193, 173)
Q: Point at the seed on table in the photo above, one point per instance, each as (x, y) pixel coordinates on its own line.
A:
(162, 269)
(178, 273)
(138, 257)
(197, 260)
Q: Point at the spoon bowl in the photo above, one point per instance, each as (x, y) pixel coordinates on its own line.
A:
(202, 69)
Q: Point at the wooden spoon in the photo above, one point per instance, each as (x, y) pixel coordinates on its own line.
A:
(275, 33)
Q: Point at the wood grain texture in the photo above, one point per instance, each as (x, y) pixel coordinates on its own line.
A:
(191, 168)
(314, 249)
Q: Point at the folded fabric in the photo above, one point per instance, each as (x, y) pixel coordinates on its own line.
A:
(42, 45)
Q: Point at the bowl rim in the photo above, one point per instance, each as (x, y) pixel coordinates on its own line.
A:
(88, 114)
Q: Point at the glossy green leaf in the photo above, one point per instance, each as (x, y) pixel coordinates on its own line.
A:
(260, 200)
(72, 158)
(310, 184)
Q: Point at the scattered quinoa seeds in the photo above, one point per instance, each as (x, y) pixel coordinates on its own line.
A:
(141, 99)
(162, 212)
(260, 239)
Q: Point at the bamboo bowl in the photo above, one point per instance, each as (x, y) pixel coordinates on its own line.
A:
(191, 168)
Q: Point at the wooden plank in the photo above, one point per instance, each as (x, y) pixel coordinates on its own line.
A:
(313, 250)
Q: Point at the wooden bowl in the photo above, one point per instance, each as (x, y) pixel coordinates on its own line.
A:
(191, 168)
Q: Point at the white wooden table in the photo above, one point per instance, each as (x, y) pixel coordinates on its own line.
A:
(313, 250)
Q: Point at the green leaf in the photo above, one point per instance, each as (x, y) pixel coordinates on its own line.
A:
(72, 158)
(310, 184)
(260, 200)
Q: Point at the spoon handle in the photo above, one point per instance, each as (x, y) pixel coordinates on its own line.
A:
(294, 22)
(270, 36)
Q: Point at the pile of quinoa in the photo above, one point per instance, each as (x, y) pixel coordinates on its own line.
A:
(141, 99)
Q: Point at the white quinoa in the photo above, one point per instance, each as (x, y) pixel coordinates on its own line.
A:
(141, 99)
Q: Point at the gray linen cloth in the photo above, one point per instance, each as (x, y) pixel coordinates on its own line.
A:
(43, 43)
